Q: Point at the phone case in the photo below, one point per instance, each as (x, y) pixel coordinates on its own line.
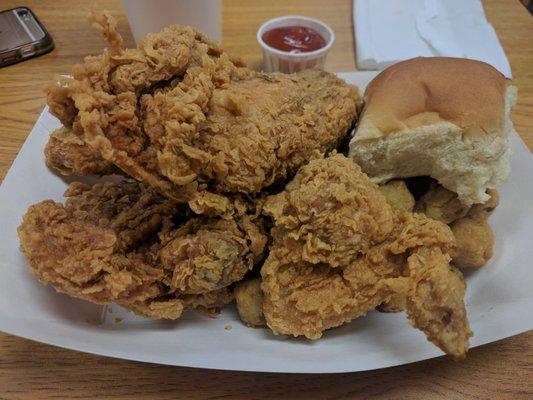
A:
(30, 49)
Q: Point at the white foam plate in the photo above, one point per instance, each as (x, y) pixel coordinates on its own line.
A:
(499, 296)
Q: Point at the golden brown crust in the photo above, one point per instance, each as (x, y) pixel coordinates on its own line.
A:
(207, 254)
(473, 234)
(474, 237)
(249, 300)
(339, 250)
(398, 195)
(115, 242)
(68, 154)
(425, 91)
(441, 204)
(184, 117)
(436, 306)
(396, 303)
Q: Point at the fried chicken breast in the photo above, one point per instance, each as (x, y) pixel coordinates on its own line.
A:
(180, 115)
(339, 250)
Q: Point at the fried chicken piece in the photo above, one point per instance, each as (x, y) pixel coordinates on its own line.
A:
(83, 260)
(180, 115)
(474, 237)
(400, 199)
(398, 195)
(107, 242)
(68, 154)
(441, 204)
(339, 250)
(208, 254)
(249, 300)
(436, 305)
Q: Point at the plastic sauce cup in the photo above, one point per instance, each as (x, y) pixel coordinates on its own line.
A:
(284, 61)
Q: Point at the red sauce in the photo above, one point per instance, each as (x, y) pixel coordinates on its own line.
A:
(294, 39)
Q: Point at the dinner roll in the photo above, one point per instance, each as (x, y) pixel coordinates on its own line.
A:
(447, 118)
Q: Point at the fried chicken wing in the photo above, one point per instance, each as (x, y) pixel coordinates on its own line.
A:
(249, 300)
(68, 154)
(116, 241)
(180, 115)
(339, 250)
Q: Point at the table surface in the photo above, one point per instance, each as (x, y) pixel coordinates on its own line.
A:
(502, 370)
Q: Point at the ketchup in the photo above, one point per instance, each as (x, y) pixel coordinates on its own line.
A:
(294, 39)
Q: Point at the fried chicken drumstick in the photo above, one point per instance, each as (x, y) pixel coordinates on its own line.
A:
(180, 115)
(124, 243)
(339, 250)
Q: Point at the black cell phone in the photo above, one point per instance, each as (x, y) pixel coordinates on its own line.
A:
(22, 36)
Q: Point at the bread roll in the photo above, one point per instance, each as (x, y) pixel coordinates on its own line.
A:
(447, 118)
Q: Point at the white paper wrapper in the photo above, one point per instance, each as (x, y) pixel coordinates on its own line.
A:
(499, 296)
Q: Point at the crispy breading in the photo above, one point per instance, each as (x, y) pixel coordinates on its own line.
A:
(196, 251)
(339, 250)
(68, 154)
(398, 195)
(441, 204)
(115, 242)
(249, 300)
(180, 115)
(474, 237)
(436, 303)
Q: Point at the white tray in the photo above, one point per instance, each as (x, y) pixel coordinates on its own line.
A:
(499, 296)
